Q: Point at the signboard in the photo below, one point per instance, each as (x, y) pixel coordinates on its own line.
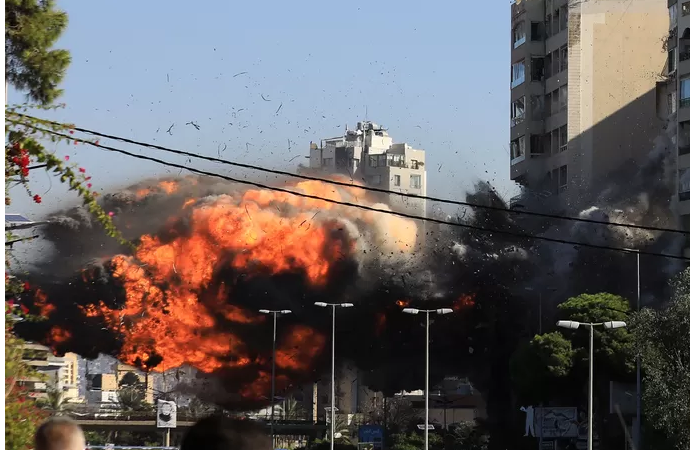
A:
(166, 416)
(552, 422)
(370, 433)
(429, 427)
(556, 422)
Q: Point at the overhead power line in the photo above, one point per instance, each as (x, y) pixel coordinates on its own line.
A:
(366, 188)
(355, 205)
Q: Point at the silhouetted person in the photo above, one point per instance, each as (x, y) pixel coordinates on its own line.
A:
(222, 433)
(60, 433)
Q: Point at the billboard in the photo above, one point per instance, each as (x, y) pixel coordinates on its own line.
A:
(166, 416)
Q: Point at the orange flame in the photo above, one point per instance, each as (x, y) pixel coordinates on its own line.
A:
(402, 303)
(464, 301)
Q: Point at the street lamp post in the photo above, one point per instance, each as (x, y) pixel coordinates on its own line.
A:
(275, 314)
(333, 307)
(426, 372)
(572, 325)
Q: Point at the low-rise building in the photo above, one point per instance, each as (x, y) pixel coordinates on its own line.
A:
(56, 373)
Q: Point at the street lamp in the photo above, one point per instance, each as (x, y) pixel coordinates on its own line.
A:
(333, 307)
(637, 431)
(572, 325)
(440, 311)
(275, 313)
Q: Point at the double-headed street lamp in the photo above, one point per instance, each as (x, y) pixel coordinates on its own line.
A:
(333, 307)
(275, 313)
(428, 312)
(572, 325)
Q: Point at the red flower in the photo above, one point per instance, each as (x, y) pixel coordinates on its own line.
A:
(82, 170)
(87, 178)
(24, 309)
(37, 198)
(96, 142)
(111, 214)
(75, 142)
(71, 131)
(10, 303)
(25, 172)
(27, 286)
(88, 185)
(67, 158)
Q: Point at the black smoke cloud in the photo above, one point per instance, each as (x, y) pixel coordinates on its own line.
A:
(503, 276)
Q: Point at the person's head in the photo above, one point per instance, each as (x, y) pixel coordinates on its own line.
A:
(59, 433)
(222, 433)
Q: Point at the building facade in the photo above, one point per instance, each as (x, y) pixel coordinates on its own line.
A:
(53, 373)
(368, 154)
(675, 104)
(583, 90)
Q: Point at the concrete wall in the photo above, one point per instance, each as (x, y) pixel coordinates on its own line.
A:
(615, 64)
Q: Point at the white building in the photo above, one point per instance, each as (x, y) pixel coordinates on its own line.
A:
(368, 154)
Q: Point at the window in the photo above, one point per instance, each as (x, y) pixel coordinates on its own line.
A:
(555, 105)
(537, 107)
(518, 73)
(548, 69)
(556, 57)
(556, 22)
(685, 92)
(517, 111)
(519, 34)
(538, 69)
(563, 12)
(555, 142)
(517, 149)
(536, 145)
(685, 8)
(562, 178)
(564, 58)
(547, 25)
(673, 15)
(563, 97)
(396, 180)
(373, 161)
(563, 137)
(672, 102)
(537, 31)
(376, 180)
(548, 104)
(672, 60)
(415, 181)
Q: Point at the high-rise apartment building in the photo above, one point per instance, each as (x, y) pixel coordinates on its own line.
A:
(677, 101)
(583, 90)
(368, 154)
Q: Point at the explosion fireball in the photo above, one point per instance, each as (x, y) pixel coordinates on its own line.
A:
(181, 296)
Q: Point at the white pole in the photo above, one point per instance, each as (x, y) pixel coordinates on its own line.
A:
(638, 427)
(426, 388)
(273, 381)
(333, 380)
(590, 406)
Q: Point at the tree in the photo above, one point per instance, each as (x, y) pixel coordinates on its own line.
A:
(395, 413)
(31, 29)
(540, 368)
(663, 340)
(554, 368)
(415, 441)
(466, 436)
(22, 415)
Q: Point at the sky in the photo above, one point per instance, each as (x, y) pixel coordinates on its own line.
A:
(436, 77)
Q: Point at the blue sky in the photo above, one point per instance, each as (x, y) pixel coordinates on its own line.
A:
(437, 77)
